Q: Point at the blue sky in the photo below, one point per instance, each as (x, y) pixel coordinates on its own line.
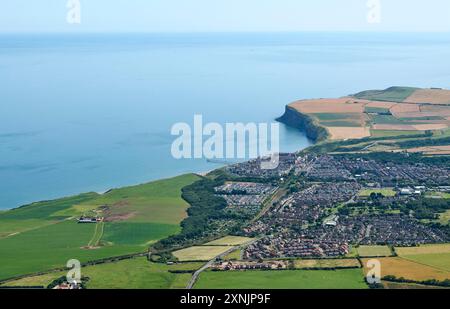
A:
(223, 15)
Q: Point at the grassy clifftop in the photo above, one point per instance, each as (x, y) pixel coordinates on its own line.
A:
(392, 94)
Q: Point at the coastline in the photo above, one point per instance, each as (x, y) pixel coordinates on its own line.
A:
(304, 123)
(291, 118)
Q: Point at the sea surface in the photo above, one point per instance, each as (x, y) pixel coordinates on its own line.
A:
(91, 112)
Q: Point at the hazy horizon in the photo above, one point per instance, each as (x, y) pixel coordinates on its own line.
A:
(174, 16)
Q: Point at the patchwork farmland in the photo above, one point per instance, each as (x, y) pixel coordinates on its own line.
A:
(396, 113)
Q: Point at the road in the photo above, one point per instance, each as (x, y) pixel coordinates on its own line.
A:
(211, 262)
(207, 265)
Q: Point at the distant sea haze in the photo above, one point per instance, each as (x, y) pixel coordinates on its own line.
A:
(83, 113)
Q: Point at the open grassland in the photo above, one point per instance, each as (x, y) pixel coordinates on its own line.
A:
(326, 263)
(390, 133)
(408, 286)
(437, 256)
(137, 233)
(157, 202)
(400, 267)
(45, 235)
(38, 214)
(394, 94)
(135, 273)
(286, 279)
(200, 253)
(233, 256)
(374, 251)
(230, 241)
(51, 247)
(384, 191)
(35, 281)
(437, 260)
(138, 274)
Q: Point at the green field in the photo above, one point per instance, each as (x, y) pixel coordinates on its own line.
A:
(157, 202)
(389, 133)
(229, 241)
(337, 116)
(389, 119)
(394, 94)
(437, 256)
(46, 235)
(137, 233)
(138, 274)
(341, 123)
(377, 110)
(444, 218)
(437, 260)
(51, 247)
(233, 256)
(135, 273)
(39, 214)
(285, 279)
(384, 191)
(374, 251)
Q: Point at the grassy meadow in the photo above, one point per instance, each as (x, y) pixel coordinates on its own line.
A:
(135, 273)
(384, 191)
(437, 256)
(286, 279)
(45, 235)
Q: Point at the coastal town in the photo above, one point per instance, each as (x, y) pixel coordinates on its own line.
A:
(324, 211)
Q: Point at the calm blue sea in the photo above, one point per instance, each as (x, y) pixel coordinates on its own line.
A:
(91, 112)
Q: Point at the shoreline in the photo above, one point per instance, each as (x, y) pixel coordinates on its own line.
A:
(291, 118)
(303, 122)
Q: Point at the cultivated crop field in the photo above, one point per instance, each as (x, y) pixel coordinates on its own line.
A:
(230, 241)
(200, 253)
(424, 249)
(374, 251)
(400, 267)
(326, 263)
(380, 113)
(437, 256)
(286, 279)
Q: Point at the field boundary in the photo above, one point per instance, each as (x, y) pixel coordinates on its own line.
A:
(89, 263)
